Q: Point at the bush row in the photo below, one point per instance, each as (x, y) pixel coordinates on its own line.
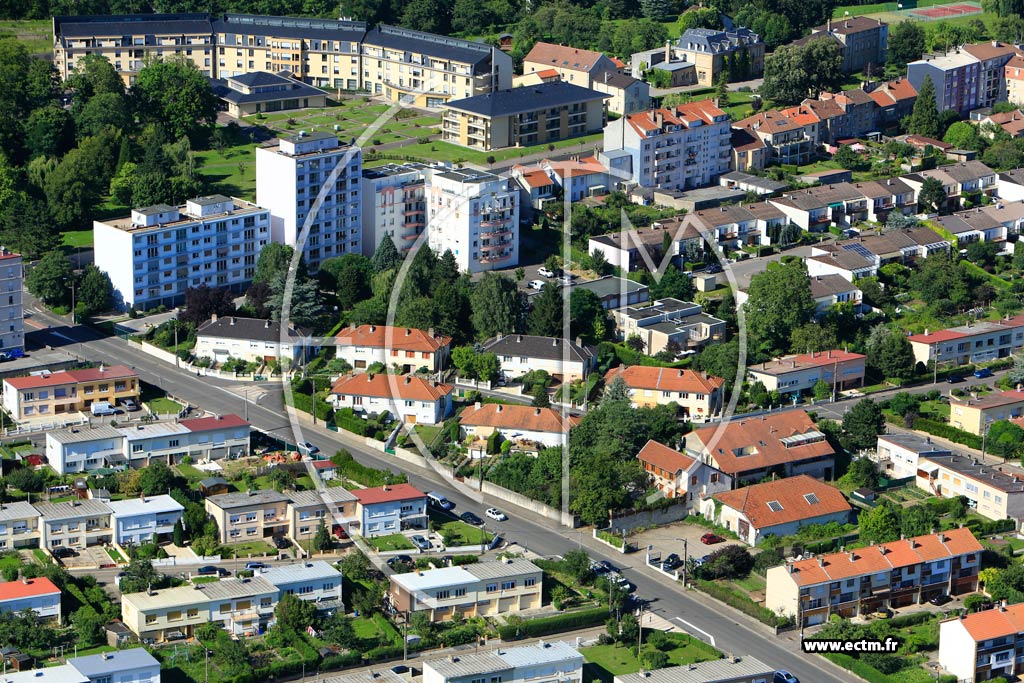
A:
(742, 603)
(941, 430)
(535, 628)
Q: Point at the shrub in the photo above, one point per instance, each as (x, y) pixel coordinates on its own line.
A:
(535, 628)
(742, 603)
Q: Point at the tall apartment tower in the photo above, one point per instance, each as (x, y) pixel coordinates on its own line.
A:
(12, 315)
(291, 172)
(476, 215)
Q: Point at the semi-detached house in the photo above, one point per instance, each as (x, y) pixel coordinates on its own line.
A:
(519, 354)
(989, 490)
(409, 348)
(975, 342)
(390, 510)
(984, 645)
(411, 399)
(249, 515)
(799, 373)
(681, 476)
(39, 595)
(74, 524)
(144, 519)
(527, 427)
(698, 395)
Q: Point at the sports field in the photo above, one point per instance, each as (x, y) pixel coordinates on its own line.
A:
(919, 10)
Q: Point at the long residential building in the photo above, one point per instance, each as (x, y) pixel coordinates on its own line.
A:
(984, 645)
(856, 582)
(12, 313)
(967, 77)
(54, 395)
(539, 662)
(991, 491)
(253, 340)
(409, 348)
(898, 455)
(159, 252)
(698, 395)
(975, 414)
(520, 354)
(975, 342)
(797, 374)
(400, 64)
(727, 670)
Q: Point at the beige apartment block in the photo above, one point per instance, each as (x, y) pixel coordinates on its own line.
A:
(48, 394)
(249, 515)
(74, 524)
(19, 525)
(989, 490)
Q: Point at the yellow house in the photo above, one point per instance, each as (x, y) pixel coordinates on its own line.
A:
(68, 391)
(973, 414)
(698, 395)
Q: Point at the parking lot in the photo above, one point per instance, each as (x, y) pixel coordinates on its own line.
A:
(669, 539)
(93, 556)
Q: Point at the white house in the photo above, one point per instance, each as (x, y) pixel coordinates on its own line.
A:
(521, 424)
(407, 347)
(80, 449)
(19, 525)
(39, 595)
(794, 374)
(832, 289)
(134, 665)
(74, 524)
(898, 455)
(983, 645)
(681, 476)
(252, 339)
(523, 353)
(411, 399)
(315, 581)
(143, 519)
(390, 509)
(541, 661)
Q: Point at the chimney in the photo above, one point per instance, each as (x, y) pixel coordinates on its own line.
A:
(213, 317)
(477, 405)
(430, 332)
(373, 328)
(668, 51)
(266, 324)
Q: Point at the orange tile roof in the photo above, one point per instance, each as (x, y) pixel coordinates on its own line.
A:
(547, 73)
(563, 56)
(802, 116)
(884, 556)
(28, 588)
(527, 418)
(791, 496)
(664, 379)
(994, 623)
(387, 494)
(71, 377)
(617, 62)
(387, 336)
(407, 387)
(1012, 122)
(705, 110)
(794, 363)
(756, 443)
(1016, 62)
(663, 457)
(585, 166)
(537, 178)
(770, 121)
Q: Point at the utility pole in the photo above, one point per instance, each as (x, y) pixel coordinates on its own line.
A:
(207, 651)
(640, 630)
(405, 637)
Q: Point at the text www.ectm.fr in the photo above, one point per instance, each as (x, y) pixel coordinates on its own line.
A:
(890, 644)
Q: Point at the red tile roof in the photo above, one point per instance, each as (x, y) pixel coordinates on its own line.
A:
(663, 457)
(387, 494)
(407, 387)
(387, 336)
(71, 377)
(756, 443)
(209, 424)
(885, 556)
(796, 363)
(563, 56)
(537, 178)
(27, 588)
(936, 337)
(526, 418)
(995, 623)
(324, 465)
(664, 379)
(791, 497)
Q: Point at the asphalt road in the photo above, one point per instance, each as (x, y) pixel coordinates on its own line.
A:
(731, 632)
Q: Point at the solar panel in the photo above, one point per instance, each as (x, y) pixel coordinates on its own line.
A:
(774, 506)
(859, 249)
(811, 498)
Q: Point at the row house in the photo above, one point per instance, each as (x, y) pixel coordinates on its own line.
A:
(307, 510)
(571, 179)
(527, 427)
(1011, 122)
(991, 223)
(144, 519)
(66, 392)
(75, 524)
(963, 181)
(642, 248)
(975, 342)
(1013, 73)
(566, 359)
(975, 413)
(534, 663)
(799, 373)
(816, 209)
(698, 395)
(990, 491)
(898, 455)
(409, 398)
(984, 645)
(39, 595)
(1010, 185)
(407, 347)
(249, 515)
(316, 581)
(862, 256)
(895, 100)
(739, 225)
(733, 669)
(832, 290)
(887, 196)
(681, 477)
(668, 323)
(19, 526)
(862, 581)
(751, 449)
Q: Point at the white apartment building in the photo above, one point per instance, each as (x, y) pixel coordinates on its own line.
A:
(12, 317)
(898, 455)
(794, 374)
(315, 581)
(395, 204)
(678, 148)
(292, 173)
(19, 525)
(541, 662)
(144, 519)
(74, 524)
(476, 215)
(975, 342)
(157, 253)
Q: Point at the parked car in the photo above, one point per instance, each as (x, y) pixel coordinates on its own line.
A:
(713, 268)
(129, 404)
(605, 567)
(698, 561)
(399, 559)
(783, 676)
(884, 613)
(940, 600)
(63, 552)
(420, 542)
(671, 562)
(545, 272)
(496, 514)
(470, 518)
(101, 408)
(711, 539)
(438, 500)
(307, 448)
(536, 284)
(982, 373)
(253, 566)
(565, 280)
(954, 379)
(212, 570)
(282, 543)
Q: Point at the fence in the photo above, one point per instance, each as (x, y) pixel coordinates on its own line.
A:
(35, 428)
(627, 520)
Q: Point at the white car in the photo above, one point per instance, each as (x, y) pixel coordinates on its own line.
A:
(536, 284)
(546, 272)
(564, 279)
(496, 514)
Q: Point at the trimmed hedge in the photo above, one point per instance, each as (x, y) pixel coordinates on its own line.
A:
(341, 661)
(940, 429)
(535, 628)
(742, 603)
(868, 673)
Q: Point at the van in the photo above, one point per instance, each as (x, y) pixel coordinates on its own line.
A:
(103, 408)
(438, 500)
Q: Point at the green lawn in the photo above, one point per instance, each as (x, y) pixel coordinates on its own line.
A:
(191, 473)
(41, 555)
(114, 555)
(254, 548)
(390, 542)
(205, 579)
(232, 171)
(465, 534)
(77, 238)
(751, 583)
(164, 405)
(35, 34)
(618, 660)
(445, 151)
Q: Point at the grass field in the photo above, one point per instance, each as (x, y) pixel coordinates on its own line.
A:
(232, 171)
(163, 405)
(36, 35)
(445, 151)
(464, 534)
(77, 238)
(256, 548)
(617, 660)
(390, 542)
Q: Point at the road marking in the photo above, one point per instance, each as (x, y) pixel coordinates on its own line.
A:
(33, 323)
(698, 630)
(62, 336)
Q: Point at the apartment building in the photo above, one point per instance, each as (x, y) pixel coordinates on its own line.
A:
(144, 519)
(74, 524)
(159, 252)
(738, 53)
(966, 78)
(409, 348)
(253, 340)
(964, 181)
(681, 476)
(535, 663)
(975, 414)
(797, 374)
(249, 515)
(19, 526)
(732, 669)
(522, 353)
(984, 645)
(51, 395)
(291, 173)
(905, 572)
(898, 455)
(1013, 74)
(975, 342)
(524, 117)
(317, 582)
(862, 41)
(668, 324)
(698, 395)
(39, 595)
(483, 589)
(777, 508)
(527, 427)
(411, 399)
(390, 509)
(990, 491)
(12, 316)
(785, 444)
(671, 148)
(241, 606)
(395, 204)
(579, 67)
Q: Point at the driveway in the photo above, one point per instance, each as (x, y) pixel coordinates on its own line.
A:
(93, 556)
(665, 539)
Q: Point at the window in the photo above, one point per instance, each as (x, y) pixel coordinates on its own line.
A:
(192, 613)
(174, 616)
(225, 607)
(508, 585)
(529, 583)
(150, 618)
(443, 595)
(460, 592)
(492, 587)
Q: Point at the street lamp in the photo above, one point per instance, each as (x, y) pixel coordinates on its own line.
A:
(686, 558)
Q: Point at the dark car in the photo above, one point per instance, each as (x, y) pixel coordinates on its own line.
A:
(713, 268)
(282, 543)
(470, 518)
(940, 600)
(982, 373)
(208, 570)
(399, 559)
(671, 562)
(63, 552)
(954, 379)
(711, 539)
(784, 677)
(605, 567)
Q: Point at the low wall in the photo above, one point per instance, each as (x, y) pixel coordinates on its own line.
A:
(632, 520)
(519, 500)
(403, 454)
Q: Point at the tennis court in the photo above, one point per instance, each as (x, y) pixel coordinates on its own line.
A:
(935, 12)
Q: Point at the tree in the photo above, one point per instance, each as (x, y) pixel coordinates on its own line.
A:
(25, 479)
(433, 16)
(577, 564)
(585, 315)
(898, 221)
(294, 613)
(889, 350)
(94, 292)
(932, 197)
(673, 283)
(203, 302)
(983, 253)
(88, 625)
(720, 360)
(862, 472)
(106, 109)
(178, 534)
(157, 478)
(924, 118)
(322, 541)
(847, 158)
(598, 262)
(139, 576)
(355, 566)
(722, 90)
(862, 424)
(657, 10)
(822, 390)
(305, 305)
(49, 131)
(540, 397)
(545, 318)
(497, 306)
(174, 93)
(273, 262)
(385, 256)
(779, 301)
(794, 72)
(629, 629)
(50, 279)
(881, 523)
(617, 390)
(964, 135)
(1006, 440)
(729, 562)
(813, 337)
(906, 42)
(918, 520)
(76, 184)
(26, 227)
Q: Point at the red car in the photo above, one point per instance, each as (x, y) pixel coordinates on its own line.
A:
(711, 539)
